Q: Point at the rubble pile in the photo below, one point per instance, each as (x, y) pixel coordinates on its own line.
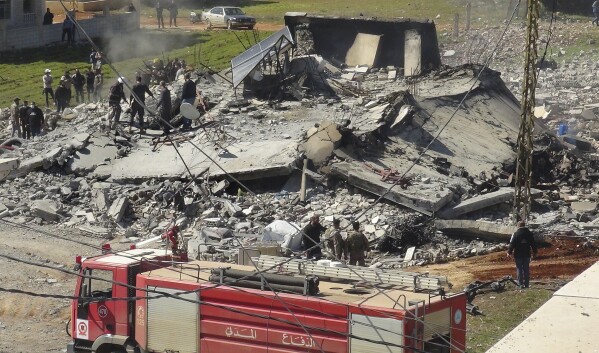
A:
(359, 127)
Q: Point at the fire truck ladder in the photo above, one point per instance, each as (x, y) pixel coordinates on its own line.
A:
(417, 281)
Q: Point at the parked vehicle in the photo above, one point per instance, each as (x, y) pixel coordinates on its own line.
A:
(144, 300)
(228, 16)
(194, 18)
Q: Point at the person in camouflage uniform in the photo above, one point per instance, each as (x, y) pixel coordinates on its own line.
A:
(357, 245)
(336, 243)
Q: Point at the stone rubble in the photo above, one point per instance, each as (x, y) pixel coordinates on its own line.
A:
(51, 186)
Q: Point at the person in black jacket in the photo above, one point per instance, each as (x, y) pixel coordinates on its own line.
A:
(24, 120)
(165, 106)
(188, 95)
(117, 94)
(522, 244)
(311, 237)
(36, 120)
(90, 78)
(140, 89)
(78, 83)
(61, 95)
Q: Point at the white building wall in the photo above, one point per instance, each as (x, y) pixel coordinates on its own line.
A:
(39, 36)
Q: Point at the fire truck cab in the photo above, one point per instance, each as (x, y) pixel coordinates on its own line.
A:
(107, 324)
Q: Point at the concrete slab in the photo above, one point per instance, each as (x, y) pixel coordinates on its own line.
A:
(246, 160)
(7, 165)
(475, 229)
(481, 202)
(364, 50)
(100, 150)
(425, 198)
(45, 209)
(584, 206)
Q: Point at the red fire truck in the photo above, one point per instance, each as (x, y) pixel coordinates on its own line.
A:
(213, 307)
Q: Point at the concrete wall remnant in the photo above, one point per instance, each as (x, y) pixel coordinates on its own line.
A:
(413, 53)
(364, 50)
(334, 36)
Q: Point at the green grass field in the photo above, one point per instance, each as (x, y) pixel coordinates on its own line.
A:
(502, 313)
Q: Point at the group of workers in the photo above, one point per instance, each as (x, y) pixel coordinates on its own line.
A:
(27, 120)
(352, 249)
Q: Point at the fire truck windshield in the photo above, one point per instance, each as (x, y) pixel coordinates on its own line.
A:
(95, 287)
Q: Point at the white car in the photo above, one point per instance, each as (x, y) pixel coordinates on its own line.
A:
(228, 16)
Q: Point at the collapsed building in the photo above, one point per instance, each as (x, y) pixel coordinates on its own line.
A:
(364, 113)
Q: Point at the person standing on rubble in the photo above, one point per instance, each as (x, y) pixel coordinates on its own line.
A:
(596, 12)
(47, 80)
(164, 106)
(90, 78)
(68, 81)
(357, 245)
(78, 82)
(24, 120)
(140, 89)
(336, 243)
(311, 238)
(36, 120)
(117, 94)
(15, 121)
(522, 244)
(188, 95)
(98, 84)
(62, 96)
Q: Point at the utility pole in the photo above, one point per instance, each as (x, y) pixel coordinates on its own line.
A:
(522, 197)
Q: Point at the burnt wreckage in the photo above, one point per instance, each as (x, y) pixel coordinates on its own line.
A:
(295, 58)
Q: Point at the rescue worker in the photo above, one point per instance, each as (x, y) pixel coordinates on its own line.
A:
(36, 120)
(67, 84)
(140, 89)
(336, 243)
(188, 95)
(357, 245)
(24, 120)
(164, 105)
(78, 82)
(15, 120)
(61, 97)
(311, 238)
(172, 237)
(90, 77)
(117, 94)
(47, 80)
(522, 244)
(98, 84)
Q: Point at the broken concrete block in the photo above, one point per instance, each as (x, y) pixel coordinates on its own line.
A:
(233, 209)
(101, 199)
(321, 142)
(118, 208)
(3, 210)
(46, 210)
(220, 186)
(584, 206)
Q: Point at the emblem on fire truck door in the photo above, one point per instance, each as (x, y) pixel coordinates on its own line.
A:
(82, 329)
(102, 311)
(140, 316)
